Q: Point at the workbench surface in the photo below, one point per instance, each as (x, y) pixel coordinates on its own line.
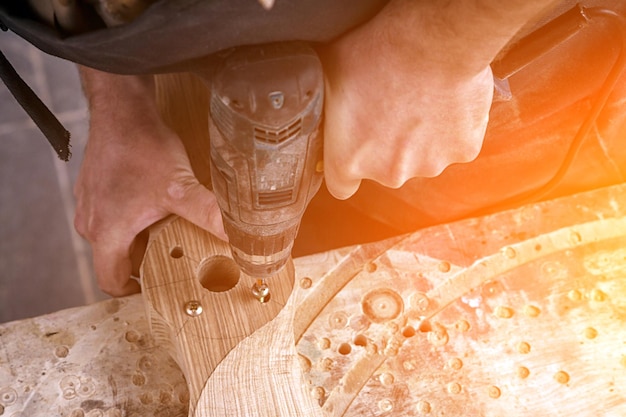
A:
(517, 313)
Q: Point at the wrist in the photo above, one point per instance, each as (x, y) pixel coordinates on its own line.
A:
(115, 96)
(457, 37)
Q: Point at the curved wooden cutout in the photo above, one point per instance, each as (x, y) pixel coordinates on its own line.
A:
(199, 326)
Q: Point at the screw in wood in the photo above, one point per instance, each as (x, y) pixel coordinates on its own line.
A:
(193, 308)
(261, 291)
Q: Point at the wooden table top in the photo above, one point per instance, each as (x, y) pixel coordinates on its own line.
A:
(518, 313)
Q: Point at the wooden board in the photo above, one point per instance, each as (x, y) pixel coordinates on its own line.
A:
(201, 309)
(518, 313)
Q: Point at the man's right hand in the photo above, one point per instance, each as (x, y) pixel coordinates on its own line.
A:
(408, 93)
(135, 172)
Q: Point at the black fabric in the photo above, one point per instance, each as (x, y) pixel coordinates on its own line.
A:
(171, 35)
(174, 35)
(54, 131)
(526, 142)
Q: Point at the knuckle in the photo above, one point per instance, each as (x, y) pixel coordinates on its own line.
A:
(84, 226)
(438, 167)
(398, 179)
(352, 170)
(470, 152)
(404, 166)
(109, 288)
(88, 227)
(338, 175)
(105, 286)
(176, 191)
(78, 226)
(110, 281)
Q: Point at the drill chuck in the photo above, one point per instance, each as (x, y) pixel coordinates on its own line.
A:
(266, 106)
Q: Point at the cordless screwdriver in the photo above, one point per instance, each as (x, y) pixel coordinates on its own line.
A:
(266, 150)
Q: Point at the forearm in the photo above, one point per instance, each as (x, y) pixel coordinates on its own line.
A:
(118, 97)
(458, 35)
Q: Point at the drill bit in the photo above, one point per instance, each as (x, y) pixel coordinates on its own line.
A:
(261, 291)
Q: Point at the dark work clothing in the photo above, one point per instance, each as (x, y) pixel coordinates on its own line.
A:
(527, 139)
(172, 34)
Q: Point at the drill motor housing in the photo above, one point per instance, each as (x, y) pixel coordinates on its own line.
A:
(266, 148)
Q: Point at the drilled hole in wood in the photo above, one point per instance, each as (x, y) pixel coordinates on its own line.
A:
(408, 331)
(218, 274)
(425, 327)
(344, 349)
(360, 340)
(176, 252)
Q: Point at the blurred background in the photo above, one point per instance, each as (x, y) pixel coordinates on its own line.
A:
(44, 265)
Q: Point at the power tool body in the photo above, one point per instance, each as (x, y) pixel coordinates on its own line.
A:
(266, 149)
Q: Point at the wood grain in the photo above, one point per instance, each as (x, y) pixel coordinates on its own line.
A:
(184, 106)
(187, 266)
(516, 313)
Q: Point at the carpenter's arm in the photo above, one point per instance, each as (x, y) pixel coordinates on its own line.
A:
(460, 34)
(409, 92)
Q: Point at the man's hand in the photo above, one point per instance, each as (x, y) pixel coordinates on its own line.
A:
(390, 123)
(134, 173)
(409, 92)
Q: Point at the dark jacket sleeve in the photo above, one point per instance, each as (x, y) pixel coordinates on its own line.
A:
(174, 35)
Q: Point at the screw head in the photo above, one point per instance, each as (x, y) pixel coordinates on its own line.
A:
(193, 308)
(261, 292)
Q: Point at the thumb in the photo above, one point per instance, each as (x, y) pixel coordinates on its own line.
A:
(196, 203)
(340, 185)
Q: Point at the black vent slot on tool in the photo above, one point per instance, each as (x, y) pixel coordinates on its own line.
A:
(222, 117)
(274, 137)
(272, 198)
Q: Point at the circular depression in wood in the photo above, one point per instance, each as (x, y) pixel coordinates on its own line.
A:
(218, 273)
(382, 304)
